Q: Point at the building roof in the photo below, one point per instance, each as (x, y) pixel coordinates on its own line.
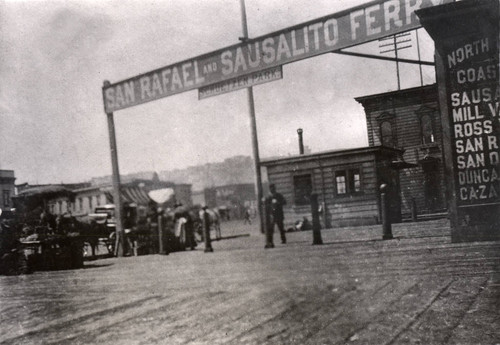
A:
(332, 153)
(425, 88)
(45, 190)
(7, 173)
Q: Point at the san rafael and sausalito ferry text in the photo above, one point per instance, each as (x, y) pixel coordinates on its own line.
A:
(361, 24)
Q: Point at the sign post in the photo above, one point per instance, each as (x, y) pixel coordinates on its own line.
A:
(466, 37)
(253, 126)
(117, 200)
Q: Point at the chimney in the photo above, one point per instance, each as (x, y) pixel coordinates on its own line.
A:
(301, 143)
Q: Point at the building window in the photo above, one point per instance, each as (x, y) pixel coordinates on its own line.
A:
(354, 181)
(427, 129)
(6, 198)
(302, 185)
(348, 181)
(386, 134)
(80, 204)
(340, 181)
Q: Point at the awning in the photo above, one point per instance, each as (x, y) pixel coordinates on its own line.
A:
(132, 195)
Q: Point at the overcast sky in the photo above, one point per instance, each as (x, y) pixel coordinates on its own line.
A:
(56, 55)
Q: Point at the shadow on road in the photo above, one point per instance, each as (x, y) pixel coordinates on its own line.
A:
(89, 266)
(230, 237)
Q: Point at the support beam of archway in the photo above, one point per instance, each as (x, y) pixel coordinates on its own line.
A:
(386, 58)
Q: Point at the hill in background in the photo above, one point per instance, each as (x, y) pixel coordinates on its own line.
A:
(233, 170)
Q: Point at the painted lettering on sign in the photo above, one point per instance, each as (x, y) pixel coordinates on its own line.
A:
(358, 25)
(243, 82)
(474, 115)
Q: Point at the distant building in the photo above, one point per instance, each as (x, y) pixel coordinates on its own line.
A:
(31, 200)
(235, 198)
(7, 188)
(183, 194)
(232, 199)
(199, 197)
(82, 199)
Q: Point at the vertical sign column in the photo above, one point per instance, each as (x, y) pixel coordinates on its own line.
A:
(466, 36)
(472, 73)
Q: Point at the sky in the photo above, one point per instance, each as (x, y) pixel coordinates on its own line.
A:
(57, 54)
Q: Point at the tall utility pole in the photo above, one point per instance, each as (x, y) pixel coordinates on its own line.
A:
(253, 125)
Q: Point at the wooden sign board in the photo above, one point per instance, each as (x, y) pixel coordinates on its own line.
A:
(466, 35)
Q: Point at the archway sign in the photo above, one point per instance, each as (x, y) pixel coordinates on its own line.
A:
(261, 58)
(466, 35)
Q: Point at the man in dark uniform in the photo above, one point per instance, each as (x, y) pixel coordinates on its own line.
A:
(274, 205)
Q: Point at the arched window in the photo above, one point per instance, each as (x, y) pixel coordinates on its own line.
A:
(386, 134)
(427, 129)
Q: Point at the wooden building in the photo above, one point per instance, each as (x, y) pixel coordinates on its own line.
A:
(410, 120)
(347, 183)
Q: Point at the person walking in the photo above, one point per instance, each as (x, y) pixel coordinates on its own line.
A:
(247, 218)
(275, 202)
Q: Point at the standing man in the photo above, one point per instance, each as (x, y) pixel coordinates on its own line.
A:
(247, 218)
(276, 202)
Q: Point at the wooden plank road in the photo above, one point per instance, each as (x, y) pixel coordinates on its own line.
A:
(355, 289)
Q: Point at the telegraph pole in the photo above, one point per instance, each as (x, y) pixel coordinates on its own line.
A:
(253, 125)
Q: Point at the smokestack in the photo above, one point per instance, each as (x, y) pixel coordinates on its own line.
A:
(301, 143)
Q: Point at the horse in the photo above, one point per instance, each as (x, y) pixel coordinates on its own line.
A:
(91, 233)
(213, 220)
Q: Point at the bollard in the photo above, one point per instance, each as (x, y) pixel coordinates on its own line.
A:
(206, 232)
(135, 250)
(160, 234)
(413, 210)
(315, 220)
(386, 222)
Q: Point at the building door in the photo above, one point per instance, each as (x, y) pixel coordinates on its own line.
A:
(432, 187)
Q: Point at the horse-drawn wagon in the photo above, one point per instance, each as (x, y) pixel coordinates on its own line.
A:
(45, 250)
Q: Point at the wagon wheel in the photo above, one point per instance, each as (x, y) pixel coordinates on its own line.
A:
(110, 244)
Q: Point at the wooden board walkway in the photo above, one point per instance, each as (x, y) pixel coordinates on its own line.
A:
(355, 289)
